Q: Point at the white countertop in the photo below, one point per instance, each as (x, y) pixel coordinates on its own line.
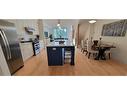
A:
(60, 45)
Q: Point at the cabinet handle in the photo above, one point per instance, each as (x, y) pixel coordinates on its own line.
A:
(5, 44)
(53, 48)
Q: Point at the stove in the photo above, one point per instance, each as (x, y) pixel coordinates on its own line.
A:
(36, 47)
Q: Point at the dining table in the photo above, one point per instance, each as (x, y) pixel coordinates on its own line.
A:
(102, 48)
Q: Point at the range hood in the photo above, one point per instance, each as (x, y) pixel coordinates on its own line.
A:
(29, 29)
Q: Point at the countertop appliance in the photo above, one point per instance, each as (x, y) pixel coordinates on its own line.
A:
(10, 46)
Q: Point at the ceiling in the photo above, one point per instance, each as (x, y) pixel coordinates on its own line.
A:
(50, 23)
(81, 21)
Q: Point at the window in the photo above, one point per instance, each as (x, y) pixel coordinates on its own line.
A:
(60, 32)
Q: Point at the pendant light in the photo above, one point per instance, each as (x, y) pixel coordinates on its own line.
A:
(58, 24)
(92, 21)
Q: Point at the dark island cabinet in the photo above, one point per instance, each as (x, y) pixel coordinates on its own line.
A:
(55, 56)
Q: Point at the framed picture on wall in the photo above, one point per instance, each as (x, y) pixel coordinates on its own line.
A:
(118, 28)
(46, 34)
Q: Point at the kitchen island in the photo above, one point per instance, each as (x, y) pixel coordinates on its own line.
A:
(56, 53)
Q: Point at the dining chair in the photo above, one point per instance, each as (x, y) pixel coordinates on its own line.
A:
(89, 50)
(83, 46)
(108, 53)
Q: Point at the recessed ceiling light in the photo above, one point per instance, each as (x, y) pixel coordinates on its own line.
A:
(92, 21)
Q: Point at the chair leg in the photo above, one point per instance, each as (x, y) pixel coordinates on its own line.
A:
(93, 54)
(83, 51)
(109, 56)
(89, 55)
(86, 53)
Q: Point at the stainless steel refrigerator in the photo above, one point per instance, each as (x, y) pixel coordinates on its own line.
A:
(10, 46)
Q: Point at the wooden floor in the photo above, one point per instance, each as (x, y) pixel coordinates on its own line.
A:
(38, 66)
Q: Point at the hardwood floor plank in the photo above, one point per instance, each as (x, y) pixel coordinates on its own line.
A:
(38, 66)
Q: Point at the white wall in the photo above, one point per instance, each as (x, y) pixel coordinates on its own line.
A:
(84, 30)
(41, 29)
(120, 52)
(48, 29)
(89, 31)
(21, 23)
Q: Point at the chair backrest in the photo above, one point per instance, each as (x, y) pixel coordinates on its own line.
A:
(82, 43)
(95, 42)
(89, 45)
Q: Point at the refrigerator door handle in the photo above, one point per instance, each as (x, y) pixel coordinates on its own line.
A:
(5, 44)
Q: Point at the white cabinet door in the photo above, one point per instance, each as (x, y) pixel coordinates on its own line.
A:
(27, 50)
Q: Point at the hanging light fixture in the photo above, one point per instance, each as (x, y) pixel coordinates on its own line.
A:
(92, 21)
(58, 24)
